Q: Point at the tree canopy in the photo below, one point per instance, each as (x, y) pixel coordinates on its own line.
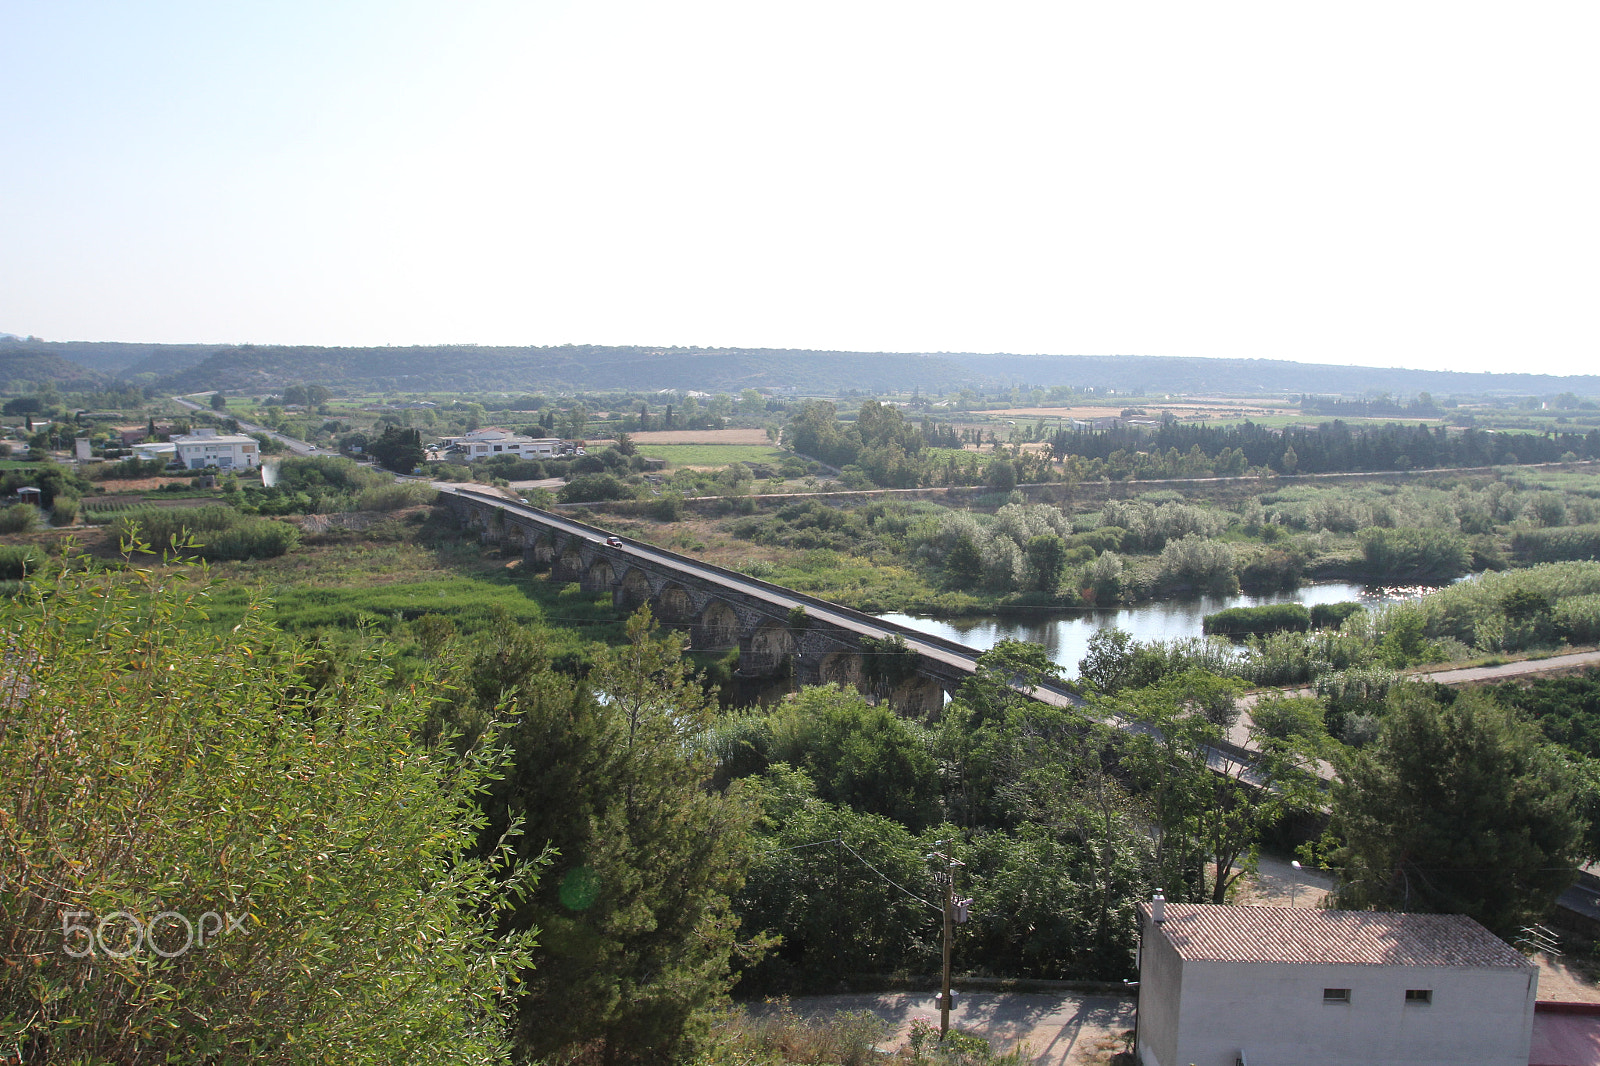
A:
(1459, 807)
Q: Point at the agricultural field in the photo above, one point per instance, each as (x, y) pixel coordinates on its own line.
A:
(657, 437)
(713, 455)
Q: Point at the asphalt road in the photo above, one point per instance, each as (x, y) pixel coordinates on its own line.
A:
(299, 447)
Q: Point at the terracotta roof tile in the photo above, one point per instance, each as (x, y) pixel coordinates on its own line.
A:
(1218, 933)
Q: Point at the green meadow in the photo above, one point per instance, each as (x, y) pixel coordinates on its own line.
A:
(712, 454)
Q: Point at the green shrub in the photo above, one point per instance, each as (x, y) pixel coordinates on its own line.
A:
(19, 518)
(1577, 620)
(17, 562)
(218, 532)
(1103, 539)
(1413, 555)
(1273, 569)
(1332, 615)
(1474, 612)
(669, 508)
(394, 496)
(258, 538)
(1557, 544)
(1202, 564)
(591, 488)
(64, 512)
(1253, 621)
(335, 858)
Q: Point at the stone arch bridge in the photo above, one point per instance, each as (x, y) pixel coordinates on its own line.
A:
(722, 608)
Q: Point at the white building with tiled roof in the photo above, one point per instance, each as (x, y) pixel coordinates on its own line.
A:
(1281, 986)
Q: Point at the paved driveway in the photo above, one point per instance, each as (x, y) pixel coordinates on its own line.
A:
(1059, 1028)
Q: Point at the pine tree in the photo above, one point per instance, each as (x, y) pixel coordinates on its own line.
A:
(636, 926)
(1456, 809)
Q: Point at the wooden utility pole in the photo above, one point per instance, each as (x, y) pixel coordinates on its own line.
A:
(948, 874)
(949, 904)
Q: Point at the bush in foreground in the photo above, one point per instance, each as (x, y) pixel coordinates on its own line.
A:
(206, 857)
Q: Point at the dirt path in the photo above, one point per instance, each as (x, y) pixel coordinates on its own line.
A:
(1059, 1028)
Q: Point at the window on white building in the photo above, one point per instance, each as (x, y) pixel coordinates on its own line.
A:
(1419, 995)
(1336, 995)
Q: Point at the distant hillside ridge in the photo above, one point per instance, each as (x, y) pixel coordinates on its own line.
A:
(23, 364)
(472, 368)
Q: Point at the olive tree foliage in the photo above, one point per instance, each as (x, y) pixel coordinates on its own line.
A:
(1457, 808)
(206, 855)
(1003, 554)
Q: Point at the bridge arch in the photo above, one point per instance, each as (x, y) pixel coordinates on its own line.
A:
(674, 605)
(598, 577)
(843, 667)
(770, 647)
(569, 562)
(540, 550)
(634, 590)
(718, 628)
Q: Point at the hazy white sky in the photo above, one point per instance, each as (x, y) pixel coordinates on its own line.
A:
(1395, 184)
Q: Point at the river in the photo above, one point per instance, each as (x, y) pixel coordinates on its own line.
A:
(1065, 631)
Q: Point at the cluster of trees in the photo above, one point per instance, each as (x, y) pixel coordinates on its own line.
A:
(880, 447)
(1177, 449)
(388, 848)
(398, 449)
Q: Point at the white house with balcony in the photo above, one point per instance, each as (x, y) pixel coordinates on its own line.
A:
(1280, 986)
(206, 447)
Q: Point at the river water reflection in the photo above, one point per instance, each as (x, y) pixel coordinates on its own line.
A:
(1065, 632)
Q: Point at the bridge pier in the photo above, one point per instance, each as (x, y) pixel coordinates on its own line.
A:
(921, 697)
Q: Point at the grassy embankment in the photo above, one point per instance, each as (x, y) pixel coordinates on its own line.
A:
(349, 584)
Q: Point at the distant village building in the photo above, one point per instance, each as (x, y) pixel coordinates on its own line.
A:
(1226, 985)
(488, 443)
(205, 447)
